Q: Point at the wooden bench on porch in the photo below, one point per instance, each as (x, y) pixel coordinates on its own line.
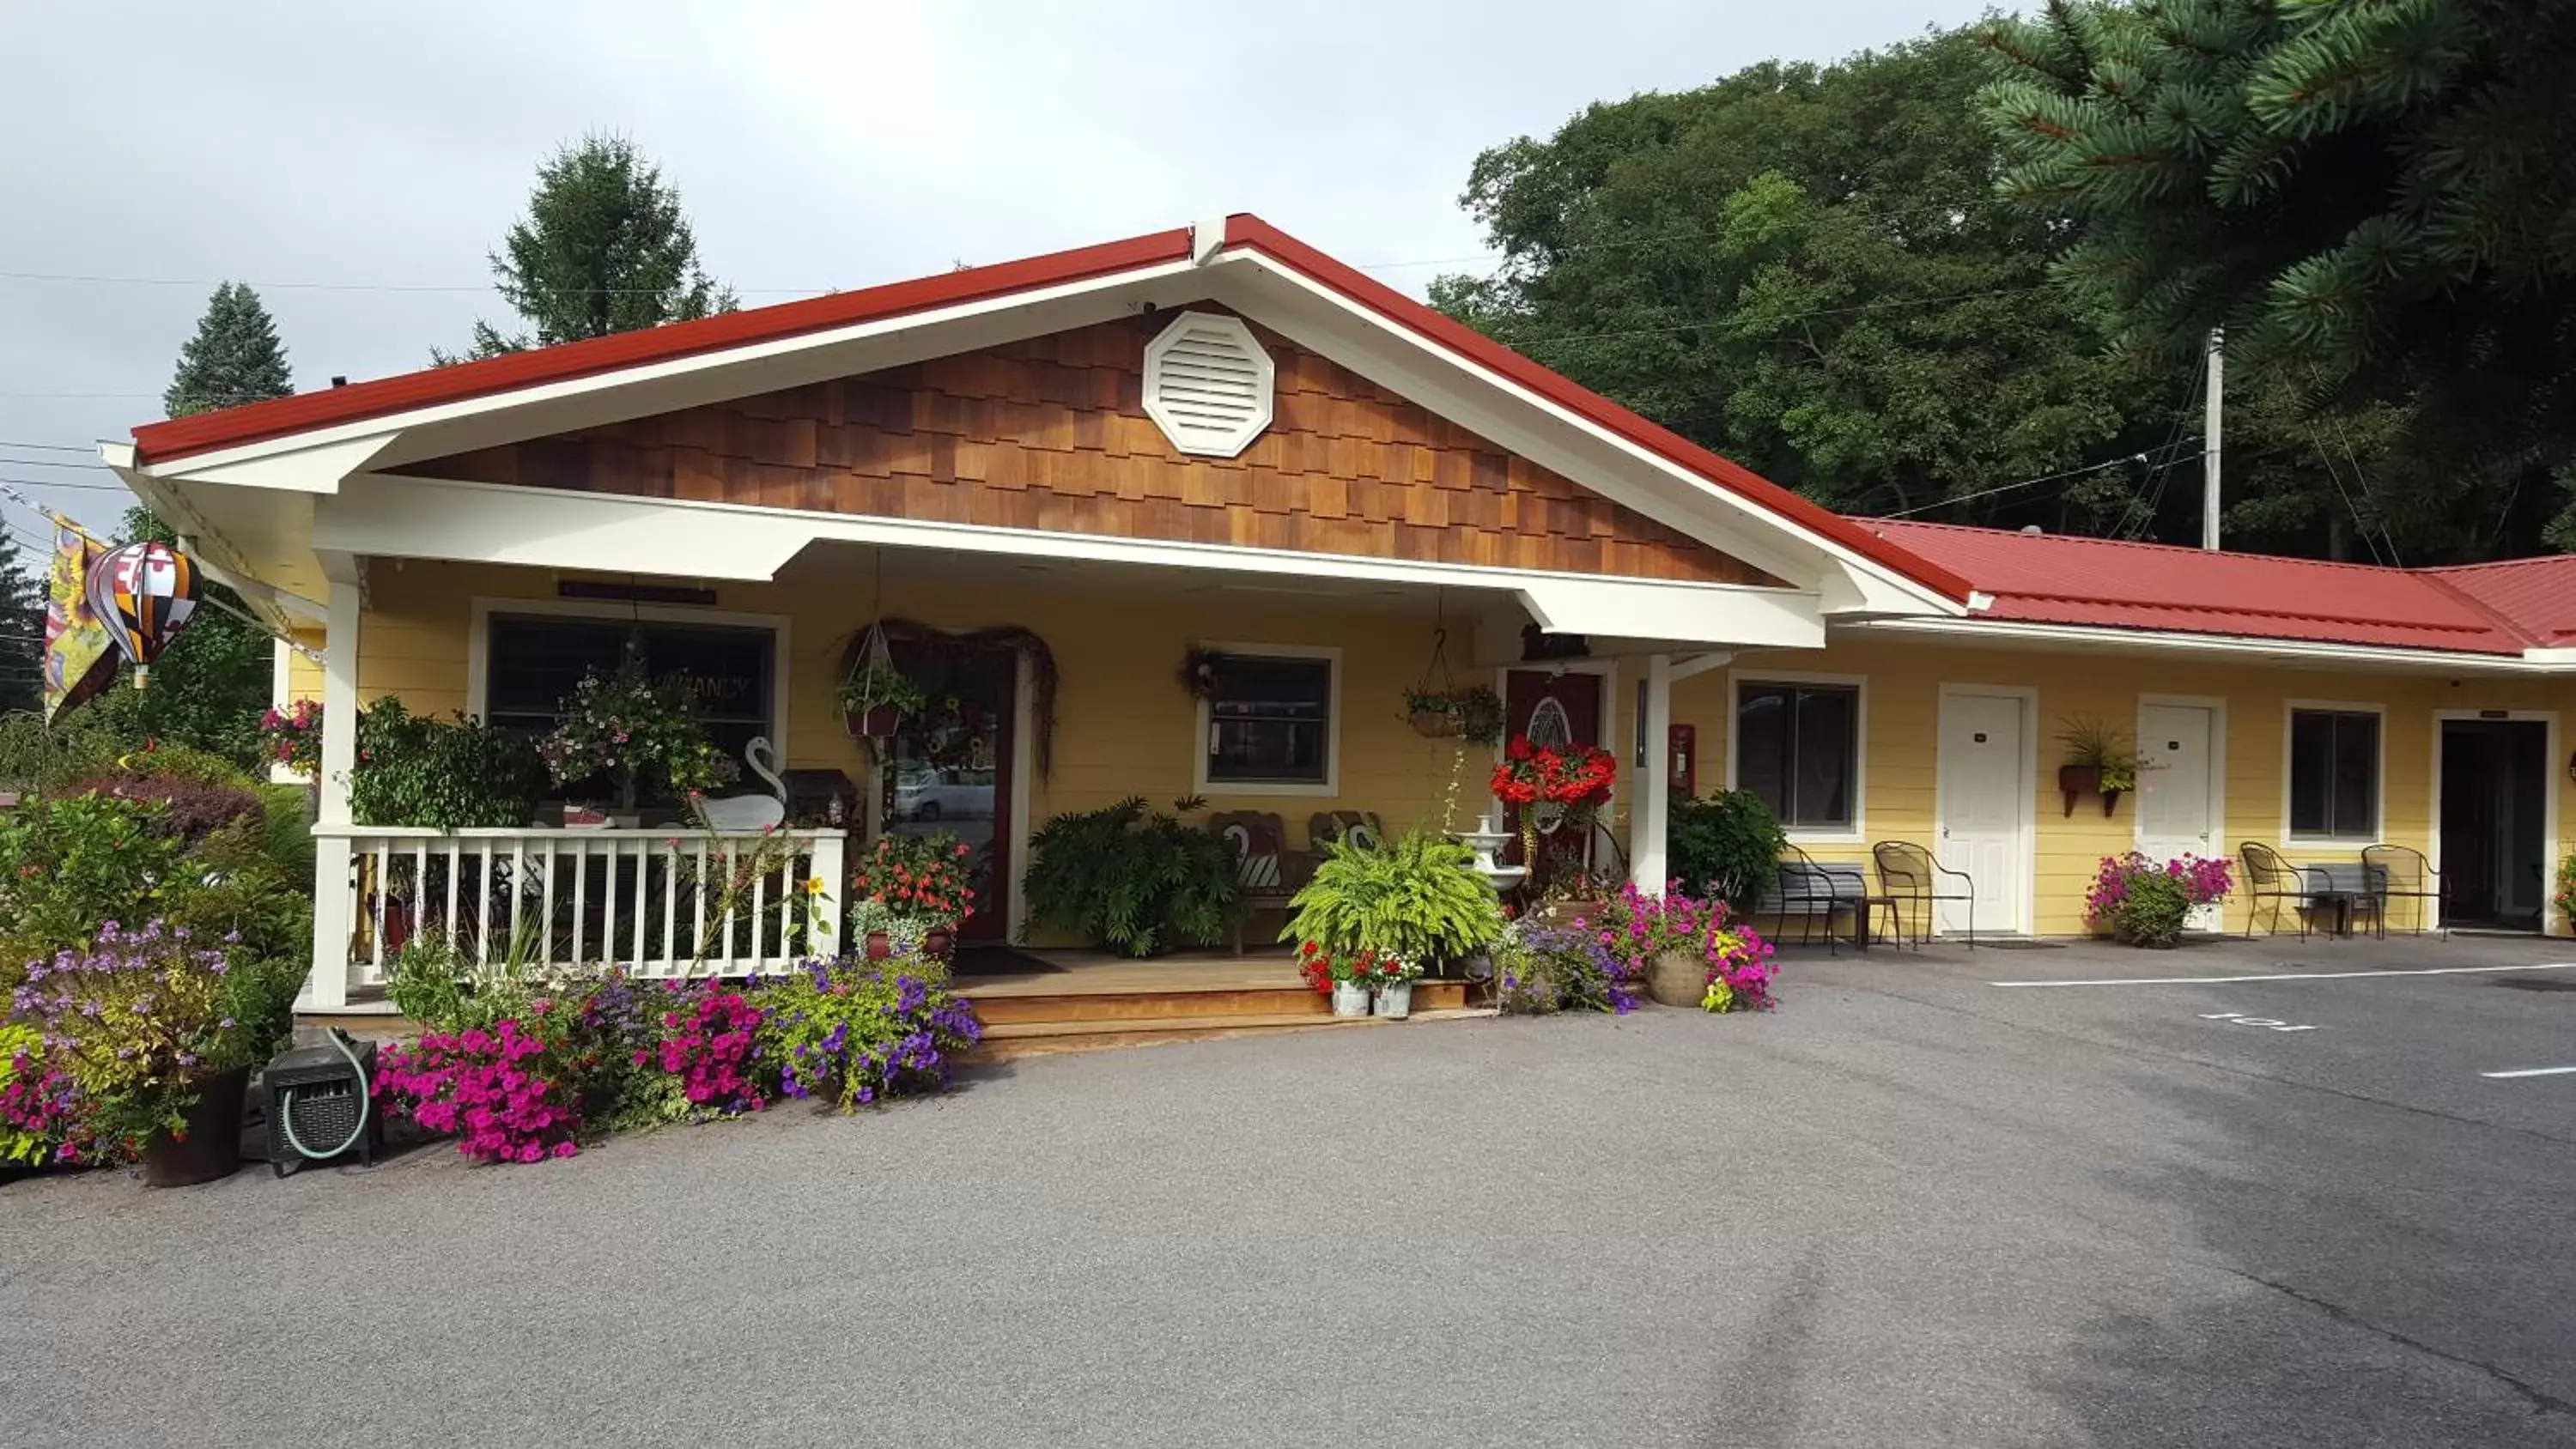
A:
(1267, 872)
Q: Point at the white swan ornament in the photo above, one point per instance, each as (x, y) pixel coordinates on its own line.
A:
(751, 812)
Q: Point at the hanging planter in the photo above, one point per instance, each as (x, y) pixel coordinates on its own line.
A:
(1433, 716)
(876, 696)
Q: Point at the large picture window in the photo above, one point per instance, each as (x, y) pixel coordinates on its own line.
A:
(1270, 721)
(2334, 774)
(532, 661)
(1797, 746)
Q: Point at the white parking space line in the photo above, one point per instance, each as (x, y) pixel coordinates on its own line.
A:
(2532, 1072)
(2289, 976)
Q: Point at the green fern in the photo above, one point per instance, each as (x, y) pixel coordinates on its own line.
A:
(1132, 881)
(1419, 898)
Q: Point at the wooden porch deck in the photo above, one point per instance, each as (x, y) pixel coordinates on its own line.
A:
(1079, 1000)
(1087, 999)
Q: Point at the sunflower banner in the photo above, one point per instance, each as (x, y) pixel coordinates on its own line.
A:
(80, 657)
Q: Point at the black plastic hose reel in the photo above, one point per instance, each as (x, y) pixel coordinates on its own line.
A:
(318, 1105)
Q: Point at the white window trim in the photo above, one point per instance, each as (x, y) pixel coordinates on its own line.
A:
(1856, 833)
(478, 645)
(1331, 785)
(2290, 712)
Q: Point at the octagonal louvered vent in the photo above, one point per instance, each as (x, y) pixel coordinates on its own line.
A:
(1208, 384)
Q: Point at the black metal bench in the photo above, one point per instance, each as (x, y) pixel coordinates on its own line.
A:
(1814, 892)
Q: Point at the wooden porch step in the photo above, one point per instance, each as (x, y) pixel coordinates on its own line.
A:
(1051, 1038)
(1183, 1004)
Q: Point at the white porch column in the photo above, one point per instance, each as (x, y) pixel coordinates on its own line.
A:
(1650, 810)
(328, 985)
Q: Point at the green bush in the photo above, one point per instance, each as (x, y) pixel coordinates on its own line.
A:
(2153, 913)
(68, 864)
(450, 775)
(1727, 846)
(1419, 899)
(1132, 881)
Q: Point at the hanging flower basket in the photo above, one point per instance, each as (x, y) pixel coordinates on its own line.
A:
(876, 696)
(1433, 716)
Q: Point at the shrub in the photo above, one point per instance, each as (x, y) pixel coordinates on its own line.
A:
(1132, 881)
(414, 770)
(1419, 899)
(134, 1022)
(191, 809)
(69, 863)
(853, 1037)
(710, 1048)
(1728, 846)
(2144, 903)
(1576, 961)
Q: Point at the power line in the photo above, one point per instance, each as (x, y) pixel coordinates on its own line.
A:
(2024, 483)
(59, 483)
(49, 447)
(1525, 346)
(1613, 243)
(43, 462)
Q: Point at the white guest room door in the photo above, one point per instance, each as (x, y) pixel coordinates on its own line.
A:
(2176, 814)
(1985, 808)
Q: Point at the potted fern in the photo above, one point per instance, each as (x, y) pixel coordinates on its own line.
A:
(1408, 904)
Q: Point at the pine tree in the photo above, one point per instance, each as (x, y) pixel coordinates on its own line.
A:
(604, 248)
(2374, 197)
(22, 631)
(235, 357)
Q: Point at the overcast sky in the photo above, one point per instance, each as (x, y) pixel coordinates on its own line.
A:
(357, 162)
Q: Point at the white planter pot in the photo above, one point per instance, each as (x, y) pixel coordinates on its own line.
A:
(1350, 999)
(1395, 1001)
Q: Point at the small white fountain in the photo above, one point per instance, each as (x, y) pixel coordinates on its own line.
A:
(1485, 840)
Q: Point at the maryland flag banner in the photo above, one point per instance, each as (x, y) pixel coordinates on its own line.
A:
(80, 658)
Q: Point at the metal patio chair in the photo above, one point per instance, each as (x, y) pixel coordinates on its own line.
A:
(2268, 877)
(2399, 872)
(1908, 875)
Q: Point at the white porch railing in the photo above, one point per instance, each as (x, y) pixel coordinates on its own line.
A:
(650, 902)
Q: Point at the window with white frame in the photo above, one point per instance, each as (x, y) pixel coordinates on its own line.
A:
(1270, 720)
(532, 661)
(2334, 774)
(1797, 746)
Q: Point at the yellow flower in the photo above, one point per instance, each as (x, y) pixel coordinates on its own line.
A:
(814, 886)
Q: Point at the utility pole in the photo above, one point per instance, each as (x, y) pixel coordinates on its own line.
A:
(2209, 410)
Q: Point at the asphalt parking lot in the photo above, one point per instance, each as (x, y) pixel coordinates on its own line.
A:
(1915, 1207)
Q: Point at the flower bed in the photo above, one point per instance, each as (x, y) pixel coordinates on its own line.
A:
(519, 1071)
(2142, 902)
(1603, 962)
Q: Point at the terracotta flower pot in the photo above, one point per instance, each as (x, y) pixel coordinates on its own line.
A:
(1435, 724)
(939, 944)
(1676, 979)
(879, 945)
(211, 1146)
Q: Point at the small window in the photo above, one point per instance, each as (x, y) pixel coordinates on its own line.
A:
(1270, 721)
(2334, 774)
(1797, 746)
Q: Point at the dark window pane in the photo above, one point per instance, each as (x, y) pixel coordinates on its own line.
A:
(532, 663)
(1271, 721)
(1797, 747)
(2311, 764)
(1762, 745)
(2334, 773)
(1825, 738)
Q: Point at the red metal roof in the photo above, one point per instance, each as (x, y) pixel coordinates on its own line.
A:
(2065, 579)
(2537, 595)
(257, 422)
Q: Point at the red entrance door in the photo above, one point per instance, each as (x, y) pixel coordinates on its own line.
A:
(1550, 708)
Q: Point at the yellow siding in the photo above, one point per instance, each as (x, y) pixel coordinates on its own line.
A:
(1126, 727)
(1903, 700)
